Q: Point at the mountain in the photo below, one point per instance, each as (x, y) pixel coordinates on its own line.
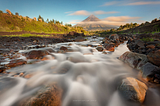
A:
(91, 18)
(92, 23)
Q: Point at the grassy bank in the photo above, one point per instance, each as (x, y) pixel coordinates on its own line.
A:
(15, 23)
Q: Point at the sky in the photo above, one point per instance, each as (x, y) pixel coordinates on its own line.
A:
(113, 12)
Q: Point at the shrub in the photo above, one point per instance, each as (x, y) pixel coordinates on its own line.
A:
(8, 21)
(1, 11)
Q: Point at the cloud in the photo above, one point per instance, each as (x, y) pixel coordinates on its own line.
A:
(122, 19)
(130, 2)
(109, 23)
(81, 12)
(75, 21)
(110, 3)
(86, 13)
(144, 3)
(112, 21)
(103, 12)
(68, 12)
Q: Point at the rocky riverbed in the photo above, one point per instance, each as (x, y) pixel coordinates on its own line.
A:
(97, 71)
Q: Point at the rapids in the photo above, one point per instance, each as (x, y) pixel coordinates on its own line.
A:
(86, 76)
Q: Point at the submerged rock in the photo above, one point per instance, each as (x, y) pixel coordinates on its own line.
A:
(49, 95)
(133, 89)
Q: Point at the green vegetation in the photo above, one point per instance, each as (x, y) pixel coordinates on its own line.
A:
(147, 39)
(27, 35)
(13, 23)
(133, 28)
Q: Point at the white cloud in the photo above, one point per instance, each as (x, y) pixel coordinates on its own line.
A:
(112, 21)
(68, 12)
(131, 2)
(81, 12)
(87, 13)
(110, 3)
(103, 12)
(144, 3)
(109, 23)
(74, 21)
(122, 18)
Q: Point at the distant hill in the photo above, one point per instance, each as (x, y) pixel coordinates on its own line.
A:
(14, 23)
(92, 23)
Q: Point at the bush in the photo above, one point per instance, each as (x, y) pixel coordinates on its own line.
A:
(1, 11)
(8, 21)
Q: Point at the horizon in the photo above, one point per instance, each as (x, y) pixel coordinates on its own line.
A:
(73, 11)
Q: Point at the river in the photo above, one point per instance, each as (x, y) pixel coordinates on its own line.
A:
(86, 76)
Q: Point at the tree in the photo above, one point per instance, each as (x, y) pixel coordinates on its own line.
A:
(40, 19)
(27, 17)
(68, 25)
(61, 23)
(47, 20)
(17, 13)
(9, 12)
(57, 22)
(1, 11)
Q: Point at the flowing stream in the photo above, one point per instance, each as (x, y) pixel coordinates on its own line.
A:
(87, 77)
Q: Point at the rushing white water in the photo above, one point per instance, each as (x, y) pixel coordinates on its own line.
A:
(87, 77)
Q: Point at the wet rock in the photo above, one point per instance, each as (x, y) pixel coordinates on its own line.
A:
(150, 72)
(140, 43)
(113, 37)
(16, 62)
(150, 46)
(100, 49)
(48, 57)
(3, 68)
(47, 95)
(109, 47)
(133, 89)
(79, 39)
(154, 57)
(36, 54)
(63, 48)
(134, 60)
(49, 49)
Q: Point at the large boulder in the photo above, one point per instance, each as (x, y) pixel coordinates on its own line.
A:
(49, 95)
(151, 72)
(134, 60)
(133, 89)
(154, 57)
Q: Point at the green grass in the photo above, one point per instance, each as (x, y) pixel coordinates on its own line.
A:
(147, 39)
(26, 35)
(13, 23)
